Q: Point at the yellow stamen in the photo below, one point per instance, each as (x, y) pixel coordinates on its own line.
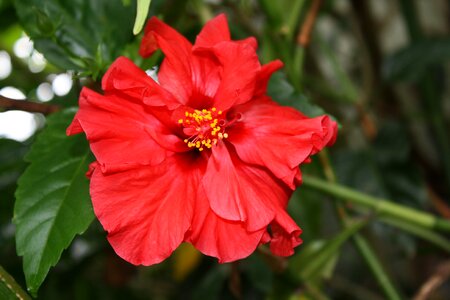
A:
(203, 125)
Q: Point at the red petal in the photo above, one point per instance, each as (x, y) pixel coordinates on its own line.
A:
(285, 235)
(148, 210)
(251, 41)
(265, 238)
(206, 70)
(123, 76)
(279, 138)
(215, 236)
(264, 75)
(118, 131)
(240, 67)
(156, 29)
(206, 80)
(240, 192)
(175, 72)
(214, 31)
(74, 127)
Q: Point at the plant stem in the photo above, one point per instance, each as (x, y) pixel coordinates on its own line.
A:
(304, 35)
(375, 266)
(360, 242)
(380, 206)
(25, 105)
(418, 231)
(12, 285)
(294, 18)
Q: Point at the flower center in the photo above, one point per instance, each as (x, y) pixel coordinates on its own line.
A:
(204, 128)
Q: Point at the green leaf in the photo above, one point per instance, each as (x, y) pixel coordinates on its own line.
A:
(52, 199)
(9, 289)
(414, 61)
(283, 92)
(317, 259)
(44, 23)
(68, 31)
(143, 7)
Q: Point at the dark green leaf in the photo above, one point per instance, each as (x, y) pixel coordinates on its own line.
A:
(44, 23)
(57, 55)
(413, 62)
(281, 91)
(53, 203)
(74, 30)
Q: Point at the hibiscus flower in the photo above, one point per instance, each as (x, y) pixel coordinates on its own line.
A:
(203, 156)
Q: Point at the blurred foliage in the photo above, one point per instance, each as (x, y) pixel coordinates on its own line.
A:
(381, 68)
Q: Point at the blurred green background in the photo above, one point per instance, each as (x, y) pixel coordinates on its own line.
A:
(379, 67)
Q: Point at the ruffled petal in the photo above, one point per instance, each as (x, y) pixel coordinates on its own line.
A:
(124, 77)
(214, 236)
(230, 240)
(175, 74)
(116, 127)
(264, 75)
(240, 66)
(240, 192)
(279, 138)
(251, 41)
(146, 211)
(216, 30)
(206, 71)
(156, 33)
(285, 234)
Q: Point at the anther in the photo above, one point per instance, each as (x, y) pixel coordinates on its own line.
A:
(205, 126)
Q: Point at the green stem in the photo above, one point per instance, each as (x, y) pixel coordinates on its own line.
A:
(273, 11)
(418, 231)
(360, 242)
(375, 266)
(380, 206)
(12, 287)
(297, 67)
(293, 19)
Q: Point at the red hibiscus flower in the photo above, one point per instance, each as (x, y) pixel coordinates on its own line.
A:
(203, 157)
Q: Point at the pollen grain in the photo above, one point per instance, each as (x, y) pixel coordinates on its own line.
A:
(202, 128)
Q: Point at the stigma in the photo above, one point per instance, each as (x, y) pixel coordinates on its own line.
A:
(204, 128)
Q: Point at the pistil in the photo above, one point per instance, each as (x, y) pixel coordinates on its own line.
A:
(203, 128)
